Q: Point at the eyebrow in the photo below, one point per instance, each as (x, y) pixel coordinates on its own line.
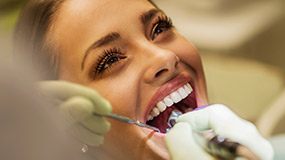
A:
(145, 18)
(109, 38)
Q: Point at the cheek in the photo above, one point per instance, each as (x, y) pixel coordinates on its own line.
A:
(69, 67)
(123, 97)
(120, 94)
(187, 53)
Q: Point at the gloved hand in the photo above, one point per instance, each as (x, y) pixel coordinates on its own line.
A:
(78, 105)
(182, 145)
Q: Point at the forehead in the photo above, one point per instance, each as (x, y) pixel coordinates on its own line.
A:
(101, 9)
(76, 4)
(96, 17)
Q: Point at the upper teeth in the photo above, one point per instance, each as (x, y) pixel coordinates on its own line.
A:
(169, 100)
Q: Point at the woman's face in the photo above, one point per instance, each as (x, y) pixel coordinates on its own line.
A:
(130, 53)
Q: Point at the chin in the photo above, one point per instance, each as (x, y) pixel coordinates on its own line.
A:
(155, 147)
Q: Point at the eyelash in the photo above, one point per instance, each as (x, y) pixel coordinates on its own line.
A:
(107, 60)
(163, 23)
(112, 56)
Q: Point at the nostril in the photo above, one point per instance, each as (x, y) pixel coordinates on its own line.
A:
(160, 72)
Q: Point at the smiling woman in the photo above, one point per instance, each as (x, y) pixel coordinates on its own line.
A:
(103, 45)
(130, 52)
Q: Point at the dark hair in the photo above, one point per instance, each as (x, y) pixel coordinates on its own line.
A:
(31, 41)
(31, 36)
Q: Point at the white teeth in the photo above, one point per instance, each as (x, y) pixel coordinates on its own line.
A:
(182, 92)
(169, 100)
(188, 85)
(161, 106)
(175, 97)
(149, 117)
(155, 112)
(188, 89)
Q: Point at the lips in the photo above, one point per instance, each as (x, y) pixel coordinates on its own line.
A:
(177, 94)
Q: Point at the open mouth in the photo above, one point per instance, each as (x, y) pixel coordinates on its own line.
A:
(178, 102)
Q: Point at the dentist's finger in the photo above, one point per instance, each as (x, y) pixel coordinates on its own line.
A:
(64, 90)
(86, 136)
(80, 110)
(181, 144)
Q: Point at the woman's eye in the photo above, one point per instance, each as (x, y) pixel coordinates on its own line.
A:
(163, 24)
(109, 58)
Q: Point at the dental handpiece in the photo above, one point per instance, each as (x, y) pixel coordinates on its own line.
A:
(217, 146)
(223, 148)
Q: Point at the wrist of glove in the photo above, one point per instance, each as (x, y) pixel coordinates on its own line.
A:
(223, 122)
(78, 105)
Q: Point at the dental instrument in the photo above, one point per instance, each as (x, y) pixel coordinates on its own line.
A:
(128, 120)
(217, 146)
(212, 143)
(223, 148)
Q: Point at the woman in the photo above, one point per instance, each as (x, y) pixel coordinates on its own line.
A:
(128, 51)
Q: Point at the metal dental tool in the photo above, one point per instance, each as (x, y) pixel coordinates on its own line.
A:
(129, 121)
(223, 148)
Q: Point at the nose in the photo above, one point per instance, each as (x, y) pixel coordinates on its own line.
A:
(162, 65)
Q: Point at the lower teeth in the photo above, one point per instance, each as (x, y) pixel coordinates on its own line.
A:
(172, 119)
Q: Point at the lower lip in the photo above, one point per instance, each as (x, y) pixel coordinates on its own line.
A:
(156, 134)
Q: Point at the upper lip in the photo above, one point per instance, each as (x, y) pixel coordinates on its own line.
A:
(165, 90)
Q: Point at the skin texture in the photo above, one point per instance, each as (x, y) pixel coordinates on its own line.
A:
(130, 83)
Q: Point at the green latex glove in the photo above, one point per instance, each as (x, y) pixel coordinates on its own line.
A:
(182, 145)
(78, 105)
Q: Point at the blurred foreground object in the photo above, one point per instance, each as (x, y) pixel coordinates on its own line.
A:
(271, 124)
(272, 116)
(82, 108)
(30, 128)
